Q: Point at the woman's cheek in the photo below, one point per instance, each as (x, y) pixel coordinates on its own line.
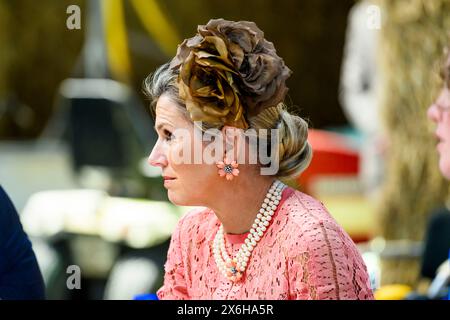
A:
(171, 157)
(177, 153)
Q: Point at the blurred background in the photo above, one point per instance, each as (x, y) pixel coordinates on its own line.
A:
(75, 129)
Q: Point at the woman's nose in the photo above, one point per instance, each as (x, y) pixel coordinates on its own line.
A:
(433, 113)
(157, 158)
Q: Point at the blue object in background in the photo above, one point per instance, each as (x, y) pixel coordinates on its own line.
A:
(146, 296)
(20, 276)
(448, 284)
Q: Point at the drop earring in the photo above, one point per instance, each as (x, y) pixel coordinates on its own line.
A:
(228, 168)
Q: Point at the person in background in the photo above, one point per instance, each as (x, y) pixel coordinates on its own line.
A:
(439, 113)
(434, 268)
(20, 276)
(437, 242)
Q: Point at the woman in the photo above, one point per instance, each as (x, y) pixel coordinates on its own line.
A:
(437, 240)
(256, 238)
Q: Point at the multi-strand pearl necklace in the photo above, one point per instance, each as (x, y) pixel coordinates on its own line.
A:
(234, 268)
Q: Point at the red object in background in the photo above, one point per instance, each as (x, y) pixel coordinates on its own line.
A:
(331, 156)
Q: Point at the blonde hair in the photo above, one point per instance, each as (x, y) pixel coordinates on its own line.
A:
(294, 151)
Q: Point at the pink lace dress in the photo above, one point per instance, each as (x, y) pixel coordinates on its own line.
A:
(304, 254)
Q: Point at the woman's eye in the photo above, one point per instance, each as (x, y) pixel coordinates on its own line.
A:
(168, 135)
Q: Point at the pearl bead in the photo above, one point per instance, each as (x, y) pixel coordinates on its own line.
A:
(268, 207)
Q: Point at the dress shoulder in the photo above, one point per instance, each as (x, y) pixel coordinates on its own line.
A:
(306, 215)
(315, 226)
(318, 243)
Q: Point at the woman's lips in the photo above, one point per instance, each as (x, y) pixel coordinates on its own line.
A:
(168, 181)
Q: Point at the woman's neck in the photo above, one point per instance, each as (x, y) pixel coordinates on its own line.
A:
(239, 202)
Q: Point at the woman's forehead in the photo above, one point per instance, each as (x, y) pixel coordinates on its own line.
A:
(167, 111)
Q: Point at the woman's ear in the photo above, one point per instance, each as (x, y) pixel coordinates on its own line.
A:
(234, 142)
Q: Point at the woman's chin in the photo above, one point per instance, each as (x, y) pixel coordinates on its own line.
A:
(175, 198)
(182, 200)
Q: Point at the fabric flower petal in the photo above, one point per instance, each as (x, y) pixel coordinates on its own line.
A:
(228, 65)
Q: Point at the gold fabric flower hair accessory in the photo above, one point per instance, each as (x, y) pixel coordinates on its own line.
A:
(229, 72)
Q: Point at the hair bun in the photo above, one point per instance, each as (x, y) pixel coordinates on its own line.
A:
(294, 150)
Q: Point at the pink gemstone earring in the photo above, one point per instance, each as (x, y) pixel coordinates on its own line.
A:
(228, 169)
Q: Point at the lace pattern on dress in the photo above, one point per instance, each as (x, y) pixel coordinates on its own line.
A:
(304, 254)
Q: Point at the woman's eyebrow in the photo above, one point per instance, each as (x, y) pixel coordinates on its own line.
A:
(159, 126)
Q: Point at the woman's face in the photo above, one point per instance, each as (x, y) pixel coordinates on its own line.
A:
(186, 183)
(439, 112)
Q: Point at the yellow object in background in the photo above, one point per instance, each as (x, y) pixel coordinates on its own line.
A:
(392, 292)
(157, 25)
(116, 39)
